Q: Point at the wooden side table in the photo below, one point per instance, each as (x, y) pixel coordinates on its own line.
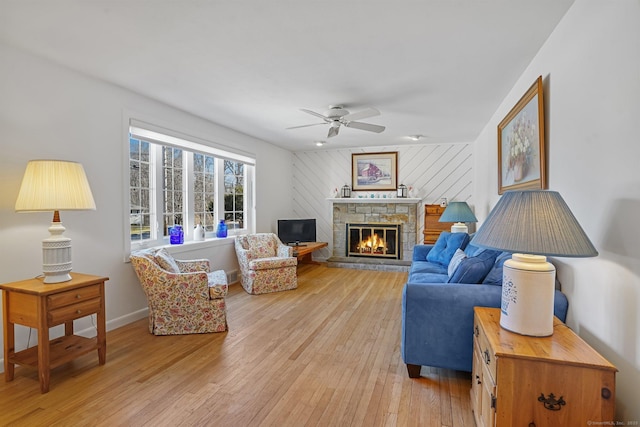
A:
(304, 250)
(550, 381)
(41, 306)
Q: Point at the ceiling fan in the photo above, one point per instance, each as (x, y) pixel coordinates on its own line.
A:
(337, 116)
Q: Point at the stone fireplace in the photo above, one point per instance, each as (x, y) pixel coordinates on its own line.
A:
(369, 214)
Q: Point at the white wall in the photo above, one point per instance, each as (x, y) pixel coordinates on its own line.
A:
(47, 111)
(432, 170)
(591, 71)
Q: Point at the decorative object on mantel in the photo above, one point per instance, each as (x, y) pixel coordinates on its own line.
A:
(402, 191)
(459, 213)
(374, 171)
(55, 185)
(521, 153)
(532, 224)
(345, 193)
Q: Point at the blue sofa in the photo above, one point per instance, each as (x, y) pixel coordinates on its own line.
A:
(443, 286)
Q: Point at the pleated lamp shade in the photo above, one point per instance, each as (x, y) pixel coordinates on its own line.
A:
(532, 225)
(534, 222)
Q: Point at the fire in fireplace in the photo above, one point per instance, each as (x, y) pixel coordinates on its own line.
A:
(374, 240)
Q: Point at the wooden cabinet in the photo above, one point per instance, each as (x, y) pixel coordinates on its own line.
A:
(433, 228)
(41, 306)
(537, 381)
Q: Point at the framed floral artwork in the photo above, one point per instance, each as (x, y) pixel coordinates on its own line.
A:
(521, 154)
(374, 171)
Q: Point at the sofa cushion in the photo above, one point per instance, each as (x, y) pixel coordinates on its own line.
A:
(446, 246)
(475, 268)
(472, 250)
(427, 272)
(455, 261)
(494, 277)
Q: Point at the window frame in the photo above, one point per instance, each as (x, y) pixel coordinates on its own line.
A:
(158, 137)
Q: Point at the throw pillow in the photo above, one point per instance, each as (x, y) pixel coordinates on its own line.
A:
(166, 261)
(446, 246)
(455, 261)
(495, 274)
(473, 269)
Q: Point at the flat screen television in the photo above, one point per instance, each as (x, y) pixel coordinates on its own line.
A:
(294, 231)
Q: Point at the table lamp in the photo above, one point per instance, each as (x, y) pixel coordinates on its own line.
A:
(55, 185)
(459, 213)
(531, 224)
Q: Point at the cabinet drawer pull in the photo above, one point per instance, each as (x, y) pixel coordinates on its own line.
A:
(476, 331)
(487, 357)
(478, 379)
(551, 403)
(78, 296)
(78, 311)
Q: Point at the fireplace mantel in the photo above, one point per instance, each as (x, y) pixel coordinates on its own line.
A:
(397, 200)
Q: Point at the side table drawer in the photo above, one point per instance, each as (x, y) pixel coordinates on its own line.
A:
(73, 311)
(73, 296)
(487, 354)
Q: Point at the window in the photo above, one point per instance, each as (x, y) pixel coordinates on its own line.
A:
(174, 181)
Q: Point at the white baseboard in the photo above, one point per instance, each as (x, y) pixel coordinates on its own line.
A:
(111, 324)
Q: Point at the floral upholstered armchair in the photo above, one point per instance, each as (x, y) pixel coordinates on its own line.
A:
(266, 264)
(184, 297)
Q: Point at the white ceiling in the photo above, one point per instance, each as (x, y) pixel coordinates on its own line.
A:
(438, 68)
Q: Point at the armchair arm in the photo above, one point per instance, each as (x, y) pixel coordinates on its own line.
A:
(420, 252)
(193, 265)
(284, 251)
(184, 288)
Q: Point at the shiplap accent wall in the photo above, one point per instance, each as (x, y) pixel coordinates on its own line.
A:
(433, 171)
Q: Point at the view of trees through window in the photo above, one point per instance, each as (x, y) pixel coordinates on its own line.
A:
(204, 203)
(173, 191)
(181, 173)
(139, 185)
(233, 194)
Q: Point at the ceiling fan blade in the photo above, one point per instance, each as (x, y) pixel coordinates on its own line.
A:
(304, 126)
(333, 131)
(365, 126)
(313, 113)
(369, 112)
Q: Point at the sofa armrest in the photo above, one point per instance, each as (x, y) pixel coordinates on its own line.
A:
(437, 321)
(420, 252)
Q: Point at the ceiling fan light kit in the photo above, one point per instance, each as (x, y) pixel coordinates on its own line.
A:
(337, 116)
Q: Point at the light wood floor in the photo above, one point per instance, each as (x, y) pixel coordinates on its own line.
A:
(327, 353)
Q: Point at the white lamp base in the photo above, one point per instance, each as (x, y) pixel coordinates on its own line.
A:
(528, 284)
(56, 255)
(459, 227)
